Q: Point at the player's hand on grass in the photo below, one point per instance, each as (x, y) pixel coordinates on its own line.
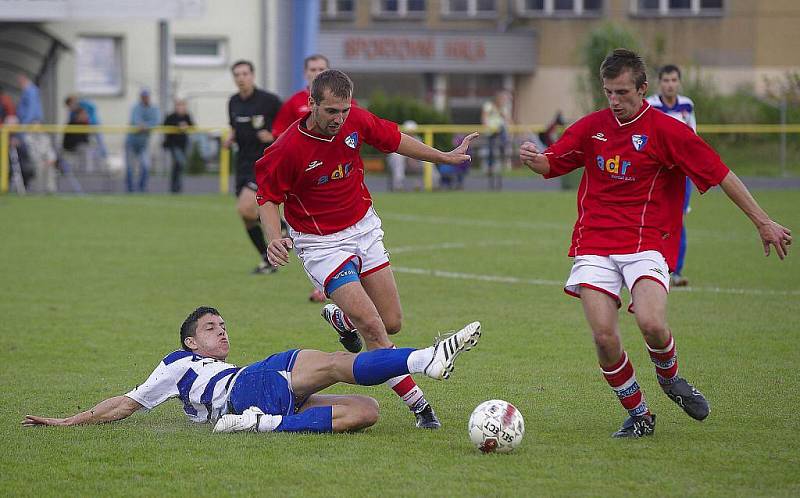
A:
(776, 235)
(32, 421)
(278, 251)
(459, 154)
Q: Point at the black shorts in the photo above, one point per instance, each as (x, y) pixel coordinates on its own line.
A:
(245, 181)
(245, 175)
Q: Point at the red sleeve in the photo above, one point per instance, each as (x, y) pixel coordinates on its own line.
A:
(567, 153)
(695, 158)
(284, 118)
(274, 174)
(382, 134)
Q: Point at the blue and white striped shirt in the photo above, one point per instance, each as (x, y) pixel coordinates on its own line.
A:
(201, 383)
(683, 110)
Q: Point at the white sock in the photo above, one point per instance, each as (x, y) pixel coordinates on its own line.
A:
(419, 359)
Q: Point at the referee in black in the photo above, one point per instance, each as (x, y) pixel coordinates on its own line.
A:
(251, 112)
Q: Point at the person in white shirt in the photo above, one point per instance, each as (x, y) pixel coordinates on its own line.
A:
(279, 393)
(680, 107)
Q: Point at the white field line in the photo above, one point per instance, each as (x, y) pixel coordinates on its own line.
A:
(447, 245)
(454, 245)
(560, 283)
(694, 233)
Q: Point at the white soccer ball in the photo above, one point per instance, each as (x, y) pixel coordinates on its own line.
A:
(496, 426)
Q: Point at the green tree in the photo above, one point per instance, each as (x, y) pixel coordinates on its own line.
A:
(399, 108)
(597, 46)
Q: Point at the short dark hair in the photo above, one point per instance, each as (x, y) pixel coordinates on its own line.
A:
(314, 57)
(669, 68)
(189, 326)
(621, 60)
(339, 84)
(243, 62)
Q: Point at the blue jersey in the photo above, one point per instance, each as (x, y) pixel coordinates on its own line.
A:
(201, 383)
(683, 110)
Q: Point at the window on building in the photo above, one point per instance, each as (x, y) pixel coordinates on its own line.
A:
(98, 65)
(559, 8)
(398, 8)
(200, 52)
(677, 8)
(337, 9)
(469, 8)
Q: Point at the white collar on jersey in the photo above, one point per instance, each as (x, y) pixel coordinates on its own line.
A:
(644, 109)
(305, 131)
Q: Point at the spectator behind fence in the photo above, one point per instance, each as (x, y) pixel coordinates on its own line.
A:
(7, 107)
(451, 176)
(75, 150)
(496, 116)
(398, 163)
(29, 108)
(176, 143)
(38, 155)
(144, 116)
(74, 103)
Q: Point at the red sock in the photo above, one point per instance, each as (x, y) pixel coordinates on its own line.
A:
(622, 380)
(666, 362)
(407, 389)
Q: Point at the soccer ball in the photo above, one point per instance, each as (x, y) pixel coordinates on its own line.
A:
(496, 426)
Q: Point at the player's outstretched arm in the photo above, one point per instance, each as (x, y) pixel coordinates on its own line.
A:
(109, 410)
(531, 157)
(413, 148)
(277, 247)
(771, 233)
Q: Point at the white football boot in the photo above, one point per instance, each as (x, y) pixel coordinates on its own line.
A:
(447, 350)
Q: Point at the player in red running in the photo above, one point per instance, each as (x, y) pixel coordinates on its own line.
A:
(315, 170)
(295, 108)
(630, 202)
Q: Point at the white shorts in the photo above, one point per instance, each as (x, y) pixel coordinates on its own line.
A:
(324, 255)
(609, 273)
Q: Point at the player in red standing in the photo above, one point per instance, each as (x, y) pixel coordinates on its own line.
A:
(315, 170)
(630, 202)
(295, 108)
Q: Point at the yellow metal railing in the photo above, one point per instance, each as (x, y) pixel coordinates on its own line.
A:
(426, 131)
(7, 130)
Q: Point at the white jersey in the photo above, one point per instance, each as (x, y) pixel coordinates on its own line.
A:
(201, 383)
(683, 110)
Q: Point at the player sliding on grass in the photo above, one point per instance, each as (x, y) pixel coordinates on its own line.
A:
(279, 393)
(630, 203)
(315, 170)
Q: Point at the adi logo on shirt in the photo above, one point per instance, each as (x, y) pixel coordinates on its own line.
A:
(341, 171)
(613, 165)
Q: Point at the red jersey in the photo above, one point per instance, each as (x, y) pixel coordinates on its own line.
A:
(321, 178)
(631, 194)
(292, 110)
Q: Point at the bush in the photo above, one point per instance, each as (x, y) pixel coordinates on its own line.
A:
(601, 41)
(399, 108)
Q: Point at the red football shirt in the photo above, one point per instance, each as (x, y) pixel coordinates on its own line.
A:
(631, 194)
(320, 178)
(292, 110)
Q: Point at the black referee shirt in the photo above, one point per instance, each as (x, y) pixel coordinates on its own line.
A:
(248, 116)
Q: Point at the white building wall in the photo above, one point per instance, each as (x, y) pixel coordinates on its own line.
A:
(206, 88)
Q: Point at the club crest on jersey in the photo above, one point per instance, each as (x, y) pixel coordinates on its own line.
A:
(352, 140)
(639, 141)
(258, 121)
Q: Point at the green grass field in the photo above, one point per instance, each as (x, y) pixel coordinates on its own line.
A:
(94, 289)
